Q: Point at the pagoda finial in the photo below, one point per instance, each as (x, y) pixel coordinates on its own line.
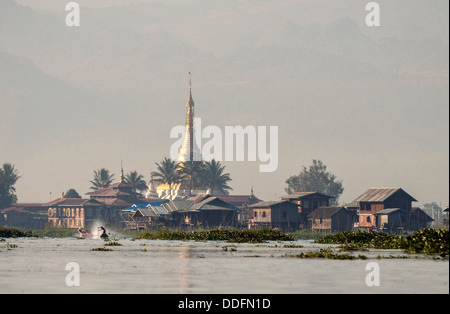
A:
(122, 177)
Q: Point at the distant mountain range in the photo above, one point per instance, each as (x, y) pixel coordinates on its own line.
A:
(315, 70)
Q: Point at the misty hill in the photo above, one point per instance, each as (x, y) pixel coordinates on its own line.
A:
(335, 87)
(36, 107)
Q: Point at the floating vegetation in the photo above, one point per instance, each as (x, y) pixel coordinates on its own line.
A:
(113, 243)
(363, 240)
(14, 233)
(10, 246)
(52, 232)
(427, 241)
(232, 236)
(229, 249)
(326, 254)
(292, 246)
(352, 247)
(101, 249)
(306, 234)
(393, 257)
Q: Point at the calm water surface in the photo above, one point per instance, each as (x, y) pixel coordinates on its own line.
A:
(145, 266)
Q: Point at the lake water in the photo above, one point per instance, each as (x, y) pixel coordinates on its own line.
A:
(31, 265)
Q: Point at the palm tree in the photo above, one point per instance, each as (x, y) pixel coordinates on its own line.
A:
(214, 178)
(136, 181)
(102, 179)
(168, 173)
(8, 178)
(192, 171)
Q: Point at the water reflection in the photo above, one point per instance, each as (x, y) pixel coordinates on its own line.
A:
(184, 255)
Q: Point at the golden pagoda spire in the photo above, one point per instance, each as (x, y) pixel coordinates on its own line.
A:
(122, 177)
(190, 105)
(187, 150)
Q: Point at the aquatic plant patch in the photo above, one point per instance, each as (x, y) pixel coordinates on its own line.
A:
(229, 235)
(102, 249)
(306, 234)
(427, 241)
(326, 254)
(113, 243)
(14, 233)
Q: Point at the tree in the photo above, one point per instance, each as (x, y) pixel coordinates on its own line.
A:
(102, 179)
(8, 178)
(433, 210)
(136, 180)
(192, 171)
(315, 179)
(71, 194)
(214, 177)
(168, 173)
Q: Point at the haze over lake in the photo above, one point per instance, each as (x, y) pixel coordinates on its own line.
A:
(370, 102)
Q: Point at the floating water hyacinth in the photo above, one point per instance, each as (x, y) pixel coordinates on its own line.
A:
(427, 241)
(13, 233)
(236, 236)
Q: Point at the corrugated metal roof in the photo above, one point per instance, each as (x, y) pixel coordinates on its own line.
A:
(146, 212)
(267, 204)
(418, 212)
(159, 210)
(298, 195)
(169, 207)
(212, 203)
(21, 210)
(73, 202)
(114, 202)
(388, 211)
(325, 212)
(28, 205)
(380, 194)
(181, 205)
(238, 198)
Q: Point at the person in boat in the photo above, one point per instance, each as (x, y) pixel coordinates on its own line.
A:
(103, 233)
(83, 232)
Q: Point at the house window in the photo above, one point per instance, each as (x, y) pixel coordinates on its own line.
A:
(256, 213)
(368, 219)
(264, 214)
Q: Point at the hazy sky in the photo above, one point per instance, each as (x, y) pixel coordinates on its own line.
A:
(370, 102)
